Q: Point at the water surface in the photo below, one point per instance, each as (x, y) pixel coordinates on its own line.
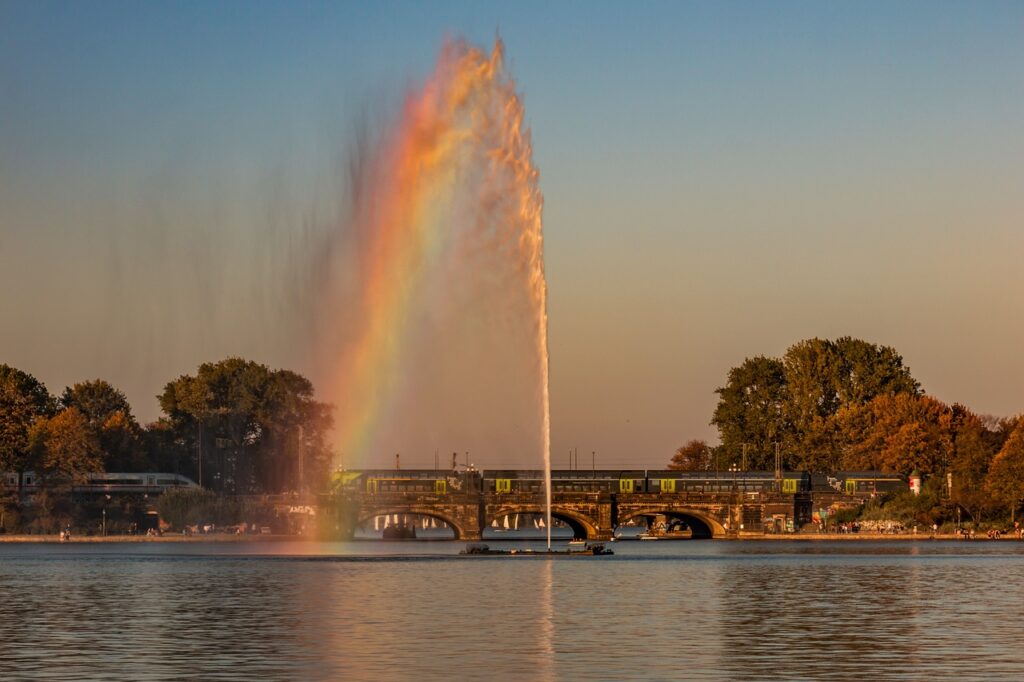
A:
(415, 610)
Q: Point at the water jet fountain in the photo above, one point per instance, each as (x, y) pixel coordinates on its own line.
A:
(451, 188)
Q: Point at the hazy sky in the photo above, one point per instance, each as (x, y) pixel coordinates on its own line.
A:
(721, 180)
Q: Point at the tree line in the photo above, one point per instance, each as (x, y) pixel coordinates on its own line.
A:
(235, 426)
(848, 405)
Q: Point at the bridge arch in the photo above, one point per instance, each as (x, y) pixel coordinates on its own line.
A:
(367, 516)
(702, 524)
(582, 525)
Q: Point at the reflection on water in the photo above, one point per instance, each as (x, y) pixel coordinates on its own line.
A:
(546, 631)
(684, 610)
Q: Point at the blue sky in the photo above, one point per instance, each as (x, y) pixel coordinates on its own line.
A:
(721, 180)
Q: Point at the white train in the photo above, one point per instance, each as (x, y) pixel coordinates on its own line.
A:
(100, 483)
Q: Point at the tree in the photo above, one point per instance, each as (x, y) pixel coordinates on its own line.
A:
(895, 432)
(267, 428)
(751, 411)
(167, 448)
(1005, 481)
(23, 400)
(694, 456)
(971, 457)
(64, 449)
(867, 370)
(110, 418)
(97, 400)
(825, 376)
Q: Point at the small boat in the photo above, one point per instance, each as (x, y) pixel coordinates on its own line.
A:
(577, 543)
(649, 536)
(400, 532)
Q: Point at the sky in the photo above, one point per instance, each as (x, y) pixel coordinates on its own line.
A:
(721, 180)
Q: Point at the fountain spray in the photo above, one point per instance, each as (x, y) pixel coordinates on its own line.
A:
(450, 186)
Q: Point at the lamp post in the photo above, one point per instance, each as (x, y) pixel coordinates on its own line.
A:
(735, 496)
(104, 525)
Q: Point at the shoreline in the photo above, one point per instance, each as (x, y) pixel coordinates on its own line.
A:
(85, 539)
(743, 537)
(875, 537)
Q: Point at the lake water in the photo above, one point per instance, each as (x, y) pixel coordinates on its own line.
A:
(416, 611)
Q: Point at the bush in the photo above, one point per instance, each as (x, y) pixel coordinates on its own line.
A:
(195, 507)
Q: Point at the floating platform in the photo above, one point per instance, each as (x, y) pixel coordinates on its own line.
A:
(480, 549)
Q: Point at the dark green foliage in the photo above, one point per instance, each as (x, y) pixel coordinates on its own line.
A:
(248, 428)
(23, 400)
(794, 401)
(751, 412)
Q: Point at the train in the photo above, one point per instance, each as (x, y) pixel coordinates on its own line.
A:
(520, 481)
(622, 481)
(645, 481)
(105, 483)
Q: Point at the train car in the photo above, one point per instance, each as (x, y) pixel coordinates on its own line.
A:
(870, 482)
(435, 481)
(796, 482)
(669, 482)
(113, 482)
(133, 483)
(564, 481)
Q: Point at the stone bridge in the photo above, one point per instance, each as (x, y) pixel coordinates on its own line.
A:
(591, 515)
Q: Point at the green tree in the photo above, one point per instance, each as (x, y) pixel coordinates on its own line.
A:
(23, 400)
(825, 376)
(867, 370)
(97, 400)
(169, 449)
(265, 427)
(694, 456)
(751, 412)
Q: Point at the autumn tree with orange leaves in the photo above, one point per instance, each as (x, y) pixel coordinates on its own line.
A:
(899, 433)
(694, 456)
(1005, 481)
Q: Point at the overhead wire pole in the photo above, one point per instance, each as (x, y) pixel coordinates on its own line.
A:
(778, 466)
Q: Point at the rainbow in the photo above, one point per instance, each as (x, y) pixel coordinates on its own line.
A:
(465, 122)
